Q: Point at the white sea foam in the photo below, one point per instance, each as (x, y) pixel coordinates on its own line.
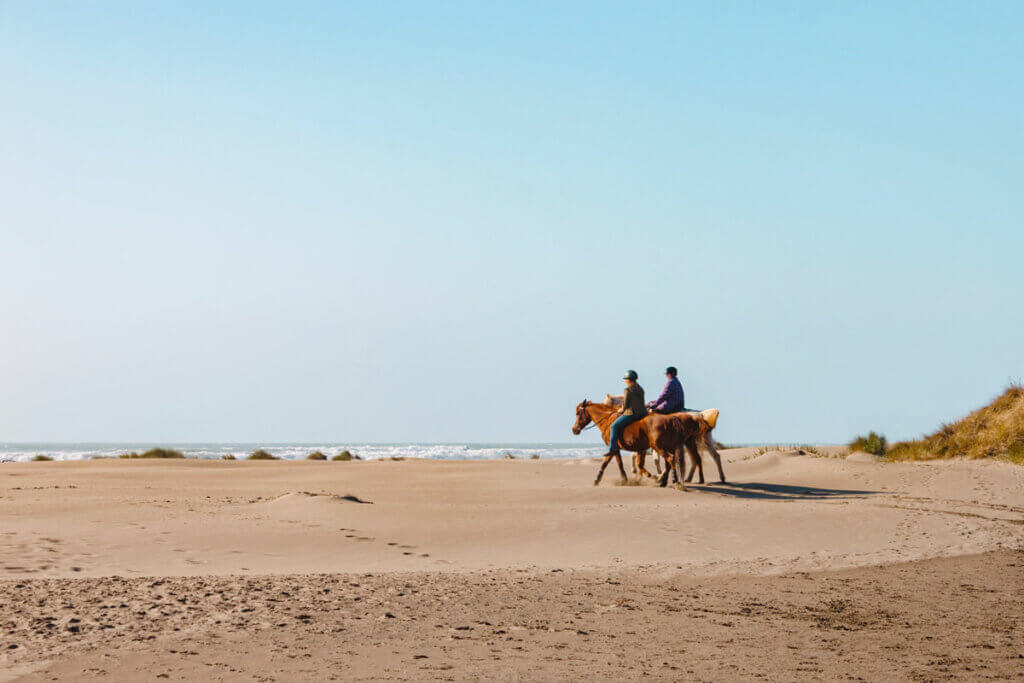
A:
(13, 452)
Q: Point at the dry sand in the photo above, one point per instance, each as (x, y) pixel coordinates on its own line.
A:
(804, 568)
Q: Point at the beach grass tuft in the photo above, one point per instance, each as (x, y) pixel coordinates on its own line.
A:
(261, 454)
(316, 455)
(41, 458)
(229, 456)
(873, 443)
(153, 453)
(344, 456)
(993, 431)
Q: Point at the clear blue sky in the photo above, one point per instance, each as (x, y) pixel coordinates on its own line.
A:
(453, 221)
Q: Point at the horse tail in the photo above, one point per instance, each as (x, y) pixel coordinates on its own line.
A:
(710, 416)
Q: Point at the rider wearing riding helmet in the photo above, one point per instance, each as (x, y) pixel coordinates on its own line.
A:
(672, 399)
(633, 409)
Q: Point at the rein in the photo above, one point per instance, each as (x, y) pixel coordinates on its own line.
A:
(597, 423)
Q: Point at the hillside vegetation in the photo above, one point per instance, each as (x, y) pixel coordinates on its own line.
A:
(997, 430)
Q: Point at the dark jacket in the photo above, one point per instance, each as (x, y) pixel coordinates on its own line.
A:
(633, 401)
(672, 397)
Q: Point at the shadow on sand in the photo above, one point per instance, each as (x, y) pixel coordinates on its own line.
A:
(761, 491)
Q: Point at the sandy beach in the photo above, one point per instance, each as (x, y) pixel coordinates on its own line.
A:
(321, 318)
(803, 567)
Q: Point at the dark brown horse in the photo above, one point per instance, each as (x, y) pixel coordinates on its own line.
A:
(669, 435)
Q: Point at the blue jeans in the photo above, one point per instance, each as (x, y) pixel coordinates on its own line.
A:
(618, 428)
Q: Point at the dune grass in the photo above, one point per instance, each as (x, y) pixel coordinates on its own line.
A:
(344, 456)
(316, 455)
(153, 453)
(873, 443)
(41, 458)
(261, 454)
(994, 431)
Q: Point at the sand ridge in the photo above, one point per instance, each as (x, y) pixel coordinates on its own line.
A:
(934, 619)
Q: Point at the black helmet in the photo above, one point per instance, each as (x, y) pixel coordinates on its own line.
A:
(671, 370)
(631, 374)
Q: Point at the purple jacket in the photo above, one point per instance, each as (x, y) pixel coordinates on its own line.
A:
(671, 398)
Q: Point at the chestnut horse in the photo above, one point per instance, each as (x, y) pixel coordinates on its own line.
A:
(669, 435)
(696, 463)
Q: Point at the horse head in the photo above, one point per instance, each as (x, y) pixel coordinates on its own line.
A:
(582, 417)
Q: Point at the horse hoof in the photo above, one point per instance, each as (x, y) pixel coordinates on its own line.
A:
(679, 487)
(596, 482)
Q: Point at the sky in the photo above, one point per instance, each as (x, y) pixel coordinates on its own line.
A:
(452, 221)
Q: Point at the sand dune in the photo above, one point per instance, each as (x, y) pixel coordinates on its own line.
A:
(187, 545)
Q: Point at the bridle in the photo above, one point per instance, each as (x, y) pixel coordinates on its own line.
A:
(594, 422)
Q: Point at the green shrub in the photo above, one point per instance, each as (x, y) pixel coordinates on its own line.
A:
(41, 458)
(316, 455)
(344, 456)
(261, 454)
(873, 443)
(1015, 453)
(154, 453)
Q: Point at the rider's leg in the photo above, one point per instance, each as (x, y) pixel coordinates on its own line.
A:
(617, 430)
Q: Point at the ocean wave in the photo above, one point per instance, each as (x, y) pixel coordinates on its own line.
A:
(297, 451)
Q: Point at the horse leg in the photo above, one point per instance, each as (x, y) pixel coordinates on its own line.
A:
(600, 472)
(622, 470)
(710, 445)
(663, 479)
(657, 461)
(637, 460)
(669, 468)
(643, 459)
(677, 467)
(695, 458)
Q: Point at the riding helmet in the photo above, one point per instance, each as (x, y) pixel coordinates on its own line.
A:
(631, 374)
(671, 370)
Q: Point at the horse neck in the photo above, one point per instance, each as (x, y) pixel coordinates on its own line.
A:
(602, 412)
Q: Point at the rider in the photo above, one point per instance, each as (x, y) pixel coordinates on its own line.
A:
(671, 399)
(633, 409)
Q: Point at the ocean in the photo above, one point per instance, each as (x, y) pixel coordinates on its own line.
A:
(20, 452)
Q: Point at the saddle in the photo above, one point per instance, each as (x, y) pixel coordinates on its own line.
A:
(710, 415)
